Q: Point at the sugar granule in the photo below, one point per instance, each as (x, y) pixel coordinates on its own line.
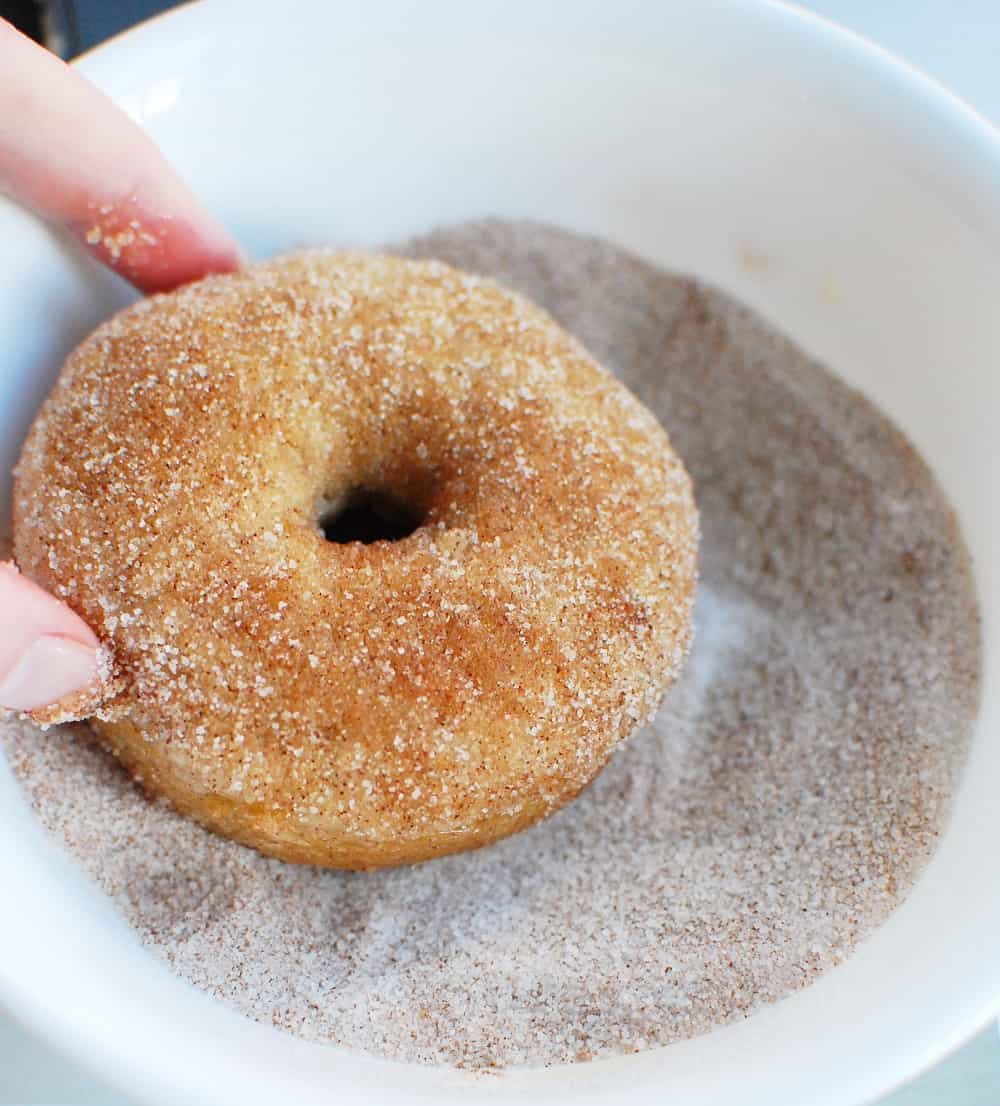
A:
(775, 811)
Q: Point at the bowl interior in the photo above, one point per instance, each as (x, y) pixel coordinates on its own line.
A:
(804, 172)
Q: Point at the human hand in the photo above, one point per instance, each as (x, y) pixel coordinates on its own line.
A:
(69, 154)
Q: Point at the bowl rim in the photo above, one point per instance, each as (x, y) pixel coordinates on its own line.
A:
(973, 144)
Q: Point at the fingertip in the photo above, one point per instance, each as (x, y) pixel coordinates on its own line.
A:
(159, 253)
(49, 670)
(27, 611)
(48, 654)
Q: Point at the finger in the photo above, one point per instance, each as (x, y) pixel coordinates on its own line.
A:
(70, 154)
(46, 651)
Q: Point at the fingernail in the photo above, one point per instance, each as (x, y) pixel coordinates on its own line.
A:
(50, 668)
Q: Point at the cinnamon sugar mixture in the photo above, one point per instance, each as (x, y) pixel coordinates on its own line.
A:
(784, 799)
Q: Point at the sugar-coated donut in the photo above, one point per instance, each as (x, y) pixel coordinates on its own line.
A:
(342, 703)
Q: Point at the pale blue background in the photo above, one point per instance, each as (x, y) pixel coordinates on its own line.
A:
(956, 41)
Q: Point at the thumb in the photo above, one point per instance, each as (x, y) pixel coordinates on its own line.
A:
(47, 653)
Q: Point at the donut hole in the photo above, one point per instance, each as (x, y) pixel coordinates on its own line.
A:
(368, 515)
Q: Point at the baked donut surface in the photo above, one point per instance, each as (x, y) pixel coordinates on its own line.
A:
(340, 703)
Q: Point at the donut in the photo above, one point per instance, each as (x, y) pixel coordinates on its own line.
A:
(196, 486)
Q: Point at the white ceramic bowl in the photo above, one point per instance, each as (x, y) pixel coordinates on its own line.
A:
(824, 183)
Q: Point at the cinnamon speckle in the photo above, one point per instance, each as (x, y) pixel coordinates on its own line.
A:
(777, 808)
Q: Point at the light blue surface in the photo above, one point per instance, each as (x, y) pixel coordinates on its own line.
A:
(956, 41)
